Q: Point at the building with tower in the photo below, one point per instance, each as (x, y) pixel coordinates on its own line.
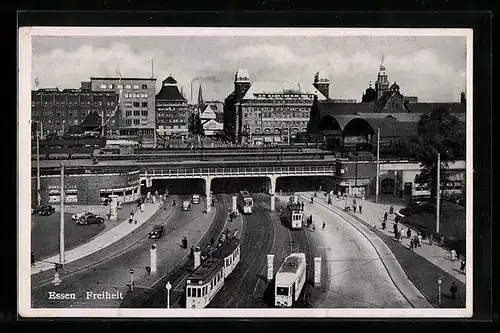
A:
(269, 113)
(172, 110)
(382, 83)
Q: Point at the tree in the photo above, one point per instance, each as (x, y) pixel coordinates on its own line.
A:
(195, 126)
(438, 131)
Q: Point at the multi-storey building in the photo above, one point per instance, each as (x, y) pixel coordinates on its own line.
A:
(57, 110)
(270, 112)
(137, 104)
(172, 109)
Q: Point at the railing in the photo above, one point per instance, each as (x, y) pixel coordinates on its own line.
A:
(239, 171)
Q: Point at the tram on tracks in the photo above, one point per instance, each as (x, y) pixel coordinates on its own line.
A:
(294, 215)
(245, 202)
(290, 280)
(203, 284)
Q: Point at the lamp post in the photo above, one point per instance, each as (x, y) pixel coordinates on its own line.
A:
(438, 194)
(168, 286)
(38, 191)
(61, 221)
(378, 166)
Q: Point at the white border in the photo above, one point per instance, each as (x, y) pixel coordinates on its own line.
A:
(24, 166)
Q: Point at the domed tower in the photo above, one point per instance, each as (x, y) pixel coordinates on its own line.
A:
(382, 84)
(370, 94)
(322, 83)
(241, 83)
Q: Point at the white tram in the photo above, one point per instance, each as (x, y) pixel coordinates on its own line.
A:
(245, 202)
(294, 215)
(204, 283)
(290, 280)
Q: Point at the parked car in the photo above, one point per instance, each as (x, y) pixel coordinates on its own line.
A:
(195, 199)
(47, 210)
(90, 219)
(157, 232)
(186, 205)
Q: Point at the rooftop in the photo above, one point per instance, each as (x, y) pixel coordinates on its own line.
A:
(292, 263)
(123, 78)
(283, 88)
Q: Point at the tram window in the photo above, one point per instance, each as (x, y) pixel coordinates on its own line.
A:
(189, 292)
(283, 291)
(198, 293)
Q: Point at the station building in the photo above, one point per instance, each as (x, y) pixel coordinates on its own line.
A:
(270, 112)
(88, 189)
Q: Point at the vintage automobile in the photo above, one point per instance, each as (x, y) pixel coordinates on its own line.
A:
(90, 219)
(157, 232)
(47, 210)
(186, 205)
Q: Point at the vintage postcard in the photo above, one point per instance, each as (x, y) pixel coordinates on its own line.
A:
(176, 172)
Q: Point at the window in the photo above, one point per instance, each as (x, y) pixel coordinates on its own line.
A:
(144, 86)
(189, 292)
(144, 113)
(144, 95)
(110, 86)
(120, 86)
(103, 86)
(283, 291)
(136, 104)
(136, 113)
(136, 121)
(128, 86)
(128, 113)
(198, 292)
(128, 121)
(136, 86)
(144, 104)
(128, 104)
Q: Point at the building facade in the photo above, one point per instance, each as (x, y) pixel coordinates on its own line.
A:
(137, 104)
(172, 110)
(270, 112)
(57, 110)
(88, 189)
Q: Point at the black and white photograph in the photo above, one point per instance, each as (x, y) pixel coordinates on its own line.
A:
(245, 172)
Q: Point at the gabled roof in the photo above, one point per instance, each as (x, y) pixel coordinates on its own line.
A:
(282, 88)
(169, 80)
(170, 93)
(93, 120)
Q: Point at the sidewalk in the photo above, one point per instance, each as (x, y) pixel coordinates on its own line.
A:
(100, 241)
(423, 264)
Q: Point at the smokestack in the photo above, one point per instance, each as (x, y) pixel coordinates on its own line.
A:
(152, 68)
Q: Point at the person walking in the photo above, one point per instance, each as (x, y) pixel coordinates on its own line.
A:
(419, 239)
(411, 244)
(383, 225)
(430, 239)
(453, 290)
(360, 208)
(462, 266)
(302, 205)
(184, 242)
(324, 225)
(312, 200)
(385, 217)
(131, 217)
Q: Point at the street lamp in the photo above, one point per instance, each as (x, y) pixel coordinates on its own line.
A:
(168, 286)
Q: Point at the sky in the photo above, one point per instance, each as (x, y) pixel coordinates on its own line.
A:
(429, 67)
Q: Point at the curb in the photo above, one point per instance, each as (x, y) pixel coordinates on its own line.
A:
(335, 209)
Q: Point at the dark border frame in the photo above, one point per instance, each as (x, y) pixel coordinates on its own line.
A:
(479, 21)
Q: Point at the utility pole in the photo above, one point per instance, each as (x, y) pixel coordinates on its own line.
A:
(61, 223)
(378, 165)
(38, 191)
(438, 191)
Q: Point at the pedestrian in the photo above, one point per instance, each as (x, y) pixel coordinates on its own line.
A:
(415, 240)
(383, 225)
(329, 200)
(302, 205)
(391, 209)
(310, 220)
(142, 207)
(184, 242)
(462, 266)
(354, 208)
(430, 239)
(354, 201)
(385, 217)
(324, 225)
(360, 209)
(131, 217)
(419, 239)
(411, 244)
(453, 290)
(408, 233)
(312, 200)
(191, 252)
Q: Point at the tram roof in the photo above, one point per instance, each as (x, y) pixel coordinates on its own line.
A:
(292, 263)
(294, 206)
(209, 268)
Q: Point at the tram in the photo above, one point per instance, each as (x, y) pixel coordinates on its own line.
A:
(203, 284)
(294, 215)
(245, 202)
(290, 280)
